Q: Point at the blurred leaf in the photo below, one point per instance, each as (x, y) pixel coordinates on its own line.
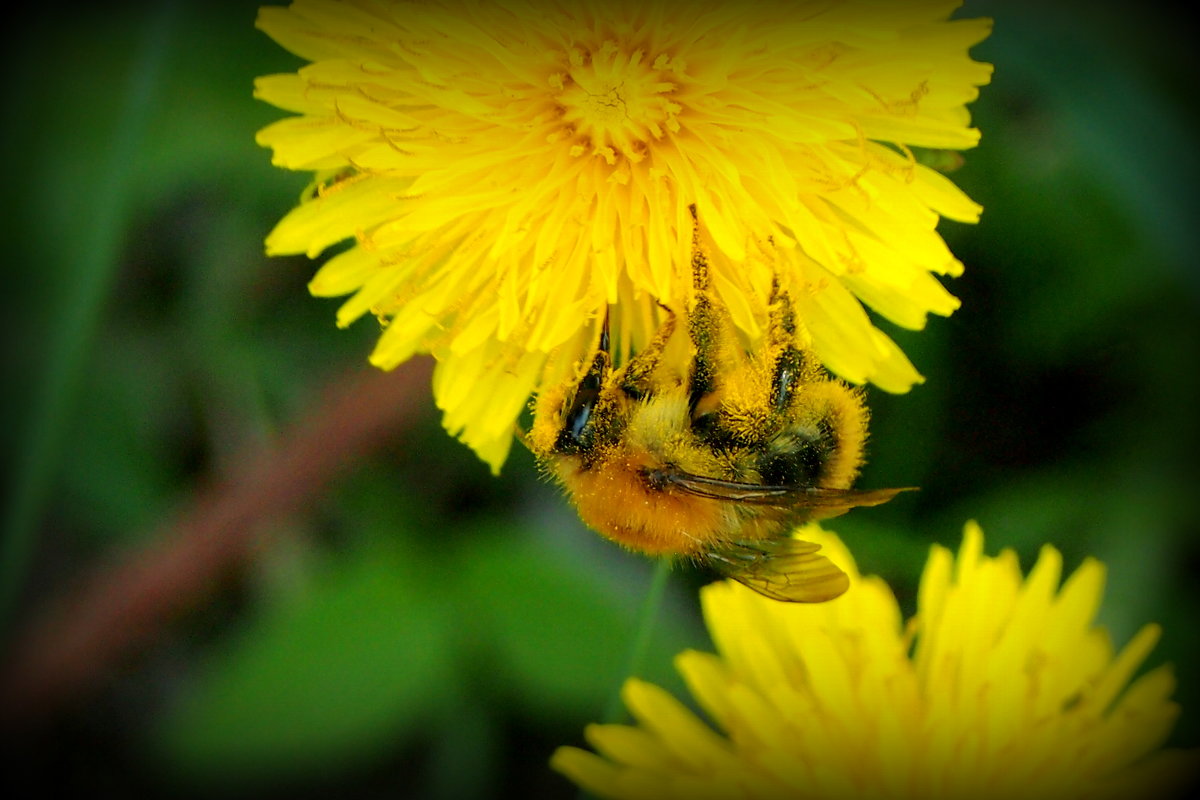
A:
(123, 465)
(326, 681)
(896, 453)
(1054, 505)
(467, 728)
(208, 118)
(1102, 89)
(559, 635)
(1088, 206)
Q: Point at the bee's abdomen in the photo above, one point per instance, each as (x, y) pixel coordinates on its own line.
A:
(805, 457)
(618, 501)
(798, 459)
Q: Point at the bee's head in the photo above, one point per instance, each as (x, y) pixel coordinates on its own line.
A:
(565, 415)
(576, 430)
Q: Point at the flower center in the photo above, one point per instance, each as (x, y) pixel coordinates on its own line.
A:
(616, 101)
(603, 107)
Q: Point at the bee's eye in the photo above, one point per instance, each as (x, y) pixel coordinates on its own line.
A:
(578, 414)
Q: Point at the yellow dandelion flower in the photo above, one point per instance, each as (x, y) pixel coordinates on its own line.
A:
(999, 687)
(510, 169)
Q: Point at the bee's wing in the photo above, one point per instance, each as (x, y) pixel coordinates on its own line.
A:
(827, 502)
(784, 569)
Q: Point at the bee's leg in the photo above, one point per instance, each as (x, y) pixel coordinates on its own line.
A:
(791, 365)
(522, 436)
(636, 377)
(783, 317)
(604, 347)
(704, 328)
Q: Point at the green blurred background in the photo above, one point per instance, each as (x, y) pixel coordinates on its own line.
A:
(418, 627)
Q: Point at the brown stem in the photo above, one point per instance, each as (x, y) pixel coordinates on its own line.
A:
(74, 643)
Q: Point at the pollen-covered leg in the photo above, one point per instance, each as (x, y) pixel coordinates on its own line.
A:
(636, 378)
(782, 328)
(788, 374)
(790, 367)
(704, 329)
(822, 420)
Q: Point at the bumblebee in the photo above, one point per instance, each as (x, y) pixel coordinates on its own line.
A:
(719, 463)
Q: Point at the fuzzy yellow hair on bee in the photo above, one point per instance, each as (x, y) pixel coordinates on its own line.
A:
(718, 462)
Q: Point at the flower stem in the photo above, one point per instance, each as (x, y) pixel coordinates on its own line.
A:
(641, 642)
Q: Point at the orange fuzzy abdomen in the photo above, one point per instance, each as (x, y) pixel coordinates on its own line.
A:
(617, 501)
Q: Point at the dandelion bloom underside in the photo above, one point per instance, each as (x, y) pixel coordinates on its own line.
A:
(507, 170)
(999, 687)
